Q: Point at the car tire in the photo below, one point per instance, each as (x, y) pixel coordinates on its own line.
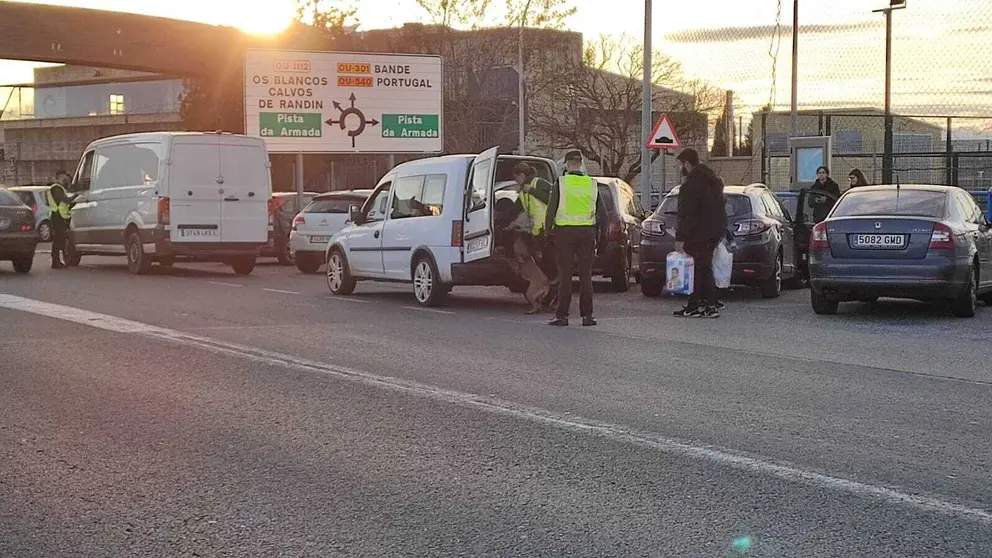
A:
(72, 255)
(427, 287)
(243, 265)
(621, 281)
(651, 287)
(23, 263)
(964, 305)
(45, 231)
(986, 298)
(307, 263)
(822, 304)
(339, 279)
(772, 286)
(138, 262)
(284, 253)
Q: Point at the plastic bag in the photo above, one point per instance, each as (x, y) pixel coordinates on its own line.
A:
(723, 265)
(679, 273)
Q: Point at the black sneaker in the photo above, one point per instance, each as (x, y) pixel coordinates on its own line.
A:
(719, 305)
(559, 322)
(710, 312)
(688, 312)
(588, 321)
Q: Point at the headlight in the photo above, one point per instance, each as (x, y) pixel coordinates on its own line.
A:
(654, 226)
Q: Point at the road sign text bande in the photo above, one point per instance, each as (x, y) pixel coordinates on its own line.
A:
(319, 102)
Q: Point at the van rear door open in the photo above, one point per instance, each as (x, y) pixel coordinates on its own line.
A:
(244, 171)
(479, 234)
(194, 191)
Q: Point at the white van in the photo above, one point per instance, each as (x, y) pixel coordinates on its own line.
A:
(154, 196)
(430, 222)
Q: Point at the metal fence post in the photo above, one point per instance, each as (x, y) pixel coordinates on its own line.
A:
(764, 148)
(950, 153)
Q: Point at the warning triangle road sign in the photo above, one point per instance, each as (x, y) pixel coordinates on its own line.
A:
(663, 136)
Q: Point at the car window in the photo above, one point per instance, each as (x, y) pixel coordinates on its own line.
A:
(126, 165)
(970, 210)
(26, 197)
(480, 185)
(407, 198)
(735, 205)
(375, 208)
(772, 208)
(329, 205)
(8, 199)
(84, 173)
(433, 197)
(607, 195)
(918, 203)
(669, 205)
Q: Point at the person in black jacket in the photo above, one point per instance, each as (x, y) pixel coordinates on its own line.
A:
(702, 224)
(822, 204)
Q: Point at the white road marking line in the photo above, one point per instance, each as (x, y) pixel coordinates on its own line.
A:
(347, 299)
(565, 421)
(433, 310)
(222, 284)
(281, 292)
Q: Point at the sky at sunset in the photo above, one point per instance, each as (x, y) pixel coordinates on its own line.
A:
(941, 65)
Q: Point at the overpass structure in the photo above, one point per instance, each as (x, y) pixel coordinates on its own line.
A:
(79, 36)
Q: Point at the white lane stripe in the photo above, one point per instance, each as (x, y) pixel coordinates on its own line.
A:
(224, 284)
(573, 423)
(433, 310)
(347, 299)
(281, 292)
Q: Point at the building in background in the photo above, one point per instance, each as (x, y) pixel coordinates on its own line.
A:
(46, 125)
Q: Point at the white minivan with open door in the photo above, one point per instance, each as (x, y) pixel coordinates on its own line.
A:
(429, 222)
(154, 196)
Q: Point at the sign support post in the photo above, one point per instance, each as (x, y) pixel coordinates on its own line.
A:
(299, 177)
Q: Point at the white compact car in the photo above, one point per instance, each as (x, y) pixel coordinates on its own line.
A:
(429, 222)
(314, 226)
(154, 196)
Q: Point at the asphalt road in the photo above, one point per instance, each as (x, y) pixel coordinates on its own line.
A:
(195, 413)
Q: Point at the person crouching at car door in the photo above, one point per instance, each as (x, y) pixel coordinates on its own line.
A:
(533, 200)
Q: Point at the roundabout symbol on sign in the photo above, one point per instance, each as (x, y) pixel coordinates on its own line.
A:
(343, 117)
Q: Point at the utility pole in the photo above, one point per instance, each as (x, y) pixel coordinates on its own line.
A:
(887, 159)
(794, 115)
(646, 106)
(521, 115)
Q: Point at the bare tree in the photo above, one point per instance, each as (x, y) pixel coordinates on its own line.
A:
(596, 106)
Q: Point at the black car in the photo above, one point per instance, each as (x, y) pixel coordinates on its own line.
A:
(619, 259)
(767, 254)
(18, 237)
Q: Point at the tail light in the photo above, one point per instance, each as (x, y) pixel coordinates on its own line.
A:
(457, 233)
(163, 211)
(34, 208)
(942, 237)
(818, 241)
(297, 221)
(617, 232)
(750, 227)
(653, 227)
(26, 228)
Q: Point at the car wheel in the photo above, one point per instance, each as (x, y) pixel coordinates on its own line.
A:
(72, 254)
(651, 287)
(427, 286)
(23, 263)
(339, 279)
(137, 261)
(822, 304)
(243, 265)
(307, 262)
(772, 286)
(284, 253)
(45, 231)
(964, 306)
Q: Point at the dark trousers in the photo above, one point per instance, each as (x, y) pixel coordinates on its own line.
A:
(60, 231)
(576, 245)
(548, 261)
(704, 287)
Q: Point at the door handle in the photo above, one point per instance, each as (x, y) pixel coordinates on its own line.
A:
(231, 199)
(376, 234)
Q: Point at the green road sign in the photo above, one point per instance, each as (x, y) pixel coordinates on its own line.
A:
(290, 124)
(411, 126)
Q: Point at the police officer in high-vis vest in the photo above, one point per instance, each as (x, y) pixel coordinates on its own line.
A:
(577, 218)
(533, 200)
(59, 202)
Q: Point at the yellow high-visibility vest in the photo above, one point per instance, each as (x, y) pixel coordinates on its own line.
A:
(60, 209)
(536, 209)
(577, 195)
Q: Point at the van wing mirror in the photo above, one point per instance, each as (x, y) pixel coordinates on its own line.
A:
(355, 214)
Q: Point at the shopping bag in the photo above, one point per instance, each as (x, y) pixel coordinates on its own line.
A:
(679, 268)
(723, 265)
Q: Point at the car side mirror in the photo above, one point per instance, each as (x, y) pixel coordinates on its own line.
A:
(355, 215)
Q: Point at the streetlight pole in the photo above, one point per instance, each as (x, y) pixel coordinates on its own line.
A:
(521, 116)
(794, 114)
(887, 158)
(646, 106)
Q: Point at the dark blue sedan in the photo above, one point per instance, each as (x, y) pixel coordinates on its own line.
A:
(920, 242)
